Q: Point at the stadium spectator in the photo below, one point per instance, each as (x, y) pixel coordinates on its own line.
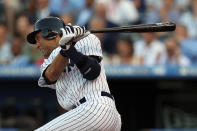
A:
(153, 4)
(167, 12)
(188, 45)
(124, 52)
(180, 4)
(181, 33)
(5, 49)
(100, 10)
(60, 7)
(141, 8)
(18, 59)
(38, 9)
(22, 28)
(67, 18)
(9, 9)
(86, 14)
(173, 55)
(149, 49)
(107, 40)
(189, 19)
(97, 23)
(121, 12)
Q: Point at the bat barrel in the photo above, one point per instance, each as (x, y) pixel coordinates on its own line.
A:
(157, 27)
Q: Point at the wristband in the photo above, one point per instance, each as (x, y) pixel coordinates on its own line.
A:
(63, 53)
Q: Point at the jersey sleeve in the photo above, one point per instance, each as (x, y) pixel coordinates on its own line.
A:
(46, 63)
(89, 45)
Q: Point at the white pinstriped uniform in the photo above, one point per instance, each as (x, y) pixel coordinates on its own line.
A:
(98, 112)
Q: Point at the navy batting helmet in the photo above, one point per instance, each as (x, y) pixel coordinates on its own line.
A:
(49, 27)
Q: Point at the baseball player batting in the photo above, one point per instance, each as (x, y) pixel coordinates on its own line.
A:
(74, 68)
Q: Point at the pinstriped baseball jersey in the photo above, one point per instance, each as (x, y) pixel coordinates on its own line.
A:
(98, 112)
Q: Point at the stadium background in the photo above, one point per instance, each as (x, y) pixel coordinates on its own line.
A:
(151, 94)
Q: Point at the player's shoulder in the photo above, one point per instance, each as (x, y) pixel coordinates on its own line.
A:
(92, 35)
(92, 38)
(90, 45)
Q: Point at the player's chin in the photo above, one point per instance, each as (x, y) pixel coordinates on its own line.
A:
(45, 53)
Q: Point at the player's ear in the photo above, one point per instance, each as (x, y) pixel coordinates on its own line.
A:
(57, 39)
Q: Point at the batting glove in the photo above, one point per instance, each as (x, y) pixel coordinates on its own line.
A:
(67, 37)
(80, 33)
(72, 34)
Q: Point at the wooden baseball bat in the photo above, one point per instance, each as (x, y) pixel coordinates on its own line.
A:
(141, 28)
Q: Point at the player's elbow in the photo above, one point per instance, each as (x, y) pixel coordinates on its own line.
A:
(89, 67)
(92, 72)
(49, 77)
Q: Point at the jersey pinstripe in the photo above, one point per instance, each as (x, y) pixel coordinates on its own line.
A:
(71, 87)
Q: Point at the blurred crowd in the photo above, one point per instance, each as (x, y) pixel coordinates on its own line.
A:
(165, 48)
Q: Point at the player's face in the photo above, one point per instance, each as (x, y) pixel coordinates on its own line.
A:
(46, 46)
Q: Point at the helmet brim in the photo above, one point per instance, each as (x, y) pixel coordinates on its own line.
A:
(31, 37)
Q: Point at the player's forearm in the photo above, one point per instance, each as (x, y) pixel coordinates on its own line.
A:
(56, 68)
